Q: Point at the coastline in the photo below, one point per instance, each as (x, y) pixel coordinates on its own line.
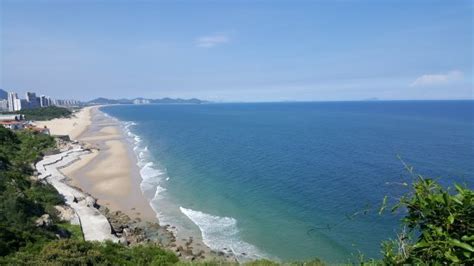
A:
(111, 175)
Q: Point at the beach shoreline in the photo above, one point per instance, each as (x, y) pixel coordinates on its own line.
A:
(111, 175)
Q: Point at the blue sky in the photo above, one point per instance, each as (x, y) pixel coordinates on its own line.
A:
(239, 50)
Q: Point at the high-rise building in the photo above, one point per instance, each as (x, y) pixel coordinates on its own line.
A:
(18, 104)
(44, 101)
(32, 100)
(3, 105)
(14, 103)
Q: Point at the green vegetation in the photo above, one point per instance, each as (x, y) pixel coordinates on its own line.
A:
(45, 113)
(439, 225)
(75, 252)
(73, 229)
(23, 200)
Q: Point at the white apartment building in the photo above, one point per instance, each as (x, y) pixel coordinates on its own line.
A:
(3, 105)
(14, 103)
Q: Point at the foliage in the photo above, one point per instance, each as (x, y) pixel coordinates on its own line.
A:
(262, 262)
(45, 113)
(439, 226)
(74, 229)
(22, 200)
(77, 252)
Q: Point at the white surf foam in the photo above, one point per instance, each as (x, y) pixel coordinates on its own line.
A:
(222, 233)
(218, 233)
(151, 175)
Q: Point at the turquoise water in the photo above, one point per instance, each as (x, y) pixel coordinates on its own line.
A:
(281, 180)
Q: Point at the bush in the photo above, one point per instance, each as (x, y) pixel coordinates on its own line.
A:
(21, 199)
(77, 252)
(439, 226)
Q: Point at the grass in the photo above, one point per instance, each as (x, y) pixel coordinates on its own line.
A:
(75, 230)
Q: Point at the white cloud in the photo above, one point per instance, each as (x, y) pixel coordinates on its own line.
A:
(437, 79)
(212, 40)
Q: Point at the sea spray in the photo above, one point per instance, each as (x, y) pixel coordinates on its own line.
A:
(218, 233)
(150, 174)
(222, 233)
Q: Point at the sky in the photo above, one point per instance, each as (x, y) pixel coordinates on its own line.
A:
(238, 50)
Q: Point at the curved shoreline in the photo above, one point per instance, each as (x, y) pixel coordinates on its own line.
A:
(111, 175)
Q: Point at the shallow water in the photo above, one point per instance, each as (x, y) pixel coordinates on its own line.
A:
(292, 180)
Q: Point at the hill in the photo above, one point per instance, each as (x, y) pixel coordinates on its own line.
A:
(102, 100)
(3, 94)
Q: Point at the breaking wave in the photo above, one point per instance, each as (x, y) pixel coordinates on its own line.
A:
(222, 233)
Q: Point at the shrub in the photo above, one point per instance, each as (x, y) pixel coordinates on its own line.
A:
(439, 226)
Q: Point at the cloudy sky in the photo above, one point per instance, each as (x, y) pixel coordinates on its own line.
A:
(239, 50)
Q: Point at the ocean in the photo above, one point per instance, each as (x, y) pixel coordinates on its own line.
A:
(294, 181)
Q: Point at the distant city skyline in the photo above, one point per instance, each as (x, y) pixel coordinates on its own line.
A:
(238, 51)
(11, 101)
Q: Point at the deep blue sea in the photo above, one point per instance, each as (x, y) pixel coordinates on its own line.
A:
(293, 180)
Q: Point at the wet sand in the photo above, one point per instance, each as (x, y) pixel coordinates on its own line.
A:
(110, 174)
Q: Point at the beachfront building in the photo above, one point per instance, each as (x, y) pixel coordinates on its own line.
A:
(13, 125)
(14, 103)
(45, 101)
(13, 122)
(141, 101)
(18, 104)
(66, 103)
(18, 117)
(4, 105)
(32, 100)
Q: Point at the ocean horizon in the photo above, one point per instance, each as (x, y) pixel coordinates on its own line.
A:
(294, 180)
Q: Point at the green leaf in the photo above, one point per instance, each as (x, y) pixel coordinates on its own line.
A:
(460, 244)
(451, 219)
(467, 238)
(458, 187)
(421, 244)
(450, 256)
(457, 200)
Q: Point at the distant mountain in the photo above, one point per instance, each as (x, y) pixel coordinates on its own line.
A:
(3, 94)
(102, 101)
(178, 100)
(140, 100)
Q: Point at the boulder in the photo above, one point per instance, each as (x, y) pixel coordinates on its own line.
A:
(65, 213)
(90, 201)
(44, 221)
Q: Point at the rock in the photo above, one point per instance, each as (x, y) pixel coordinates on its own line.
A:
(123, 241)
(198, 254)
(90, 201)
(44, 221)
(65, 213)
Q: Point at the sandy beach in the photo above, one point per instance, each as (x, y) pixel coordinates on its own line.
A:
(110, 172)
(74, 126)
